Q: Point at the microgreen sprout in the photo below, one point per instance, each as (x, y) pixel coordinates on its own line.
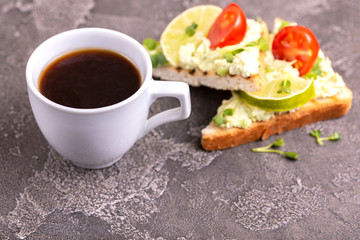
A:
(317, 134)
(315, 71)
(285, 86)
(219, 119)
(150, 43)
(229, 56)
(222, 71)
(158, 59)
(154, 50)
(190, 30)
(261, 42)
(278, 143)
(252, 44)
(236, 51)
(284, 24)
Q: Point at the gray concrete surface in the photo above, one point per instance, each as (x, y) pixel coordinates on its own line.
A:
(166, 186)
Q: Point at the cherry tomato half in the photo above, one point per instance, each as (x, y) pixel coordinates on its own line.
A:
(229, 28)
(296, 43)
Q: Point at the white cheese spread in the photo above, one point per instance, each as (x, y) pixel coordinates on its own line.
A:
(327, 84)
(197, 54)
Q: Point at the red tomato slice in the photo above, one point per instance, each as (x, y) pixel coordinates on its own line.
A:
(296, 43)
(229, 28)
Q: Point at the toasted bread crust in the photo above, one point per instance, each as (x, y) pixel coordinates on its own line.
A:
(216, 138)
(198, 78)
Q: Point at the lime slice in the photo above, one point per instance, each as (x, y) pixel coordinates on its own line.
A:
(281, 95)
(174, 34)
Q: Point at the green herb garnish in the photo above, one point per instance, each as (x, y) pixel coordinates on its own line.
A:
(158, 59)
(190, 30)
(261, 42)
(154, 60)
(219, 119)
(315, 71)
(252, 44)
(222, 71)
(278, 143)
(229, 56)
(161, 59)
(228, 112)
(284, 24)
(317, 134)
(154, 50)
(285, 86)
(237, 51)
(150, 43)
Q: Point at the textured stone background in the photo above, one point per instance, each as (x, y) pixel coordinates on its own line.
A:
(166, 186)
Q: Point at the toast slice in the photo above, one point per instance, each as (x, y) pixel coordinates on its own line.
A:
(318, 109)
(216, 138)
(211, 79)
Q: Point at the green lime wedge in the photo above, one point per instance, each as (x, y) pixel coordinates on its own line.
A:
(282, 95)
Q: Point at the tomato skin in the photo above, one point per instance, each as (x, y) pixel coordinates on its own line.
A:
(229, 28)
(296, 43)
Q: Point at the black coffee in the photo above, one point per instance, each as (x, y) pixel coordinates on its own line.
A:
(90, 78)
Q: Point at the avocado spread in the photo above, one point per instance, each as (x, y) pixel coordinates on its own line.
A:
(197, 53)
(327, 84)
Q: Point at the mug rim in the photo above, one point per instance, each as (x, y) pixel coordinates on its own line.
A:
(146, 78)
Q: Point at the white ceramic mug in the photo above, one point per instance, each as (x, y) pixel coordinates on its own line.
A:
(96, 138)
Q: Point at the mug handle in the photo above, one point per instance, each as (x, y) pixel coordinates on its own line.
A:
(179, 90)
